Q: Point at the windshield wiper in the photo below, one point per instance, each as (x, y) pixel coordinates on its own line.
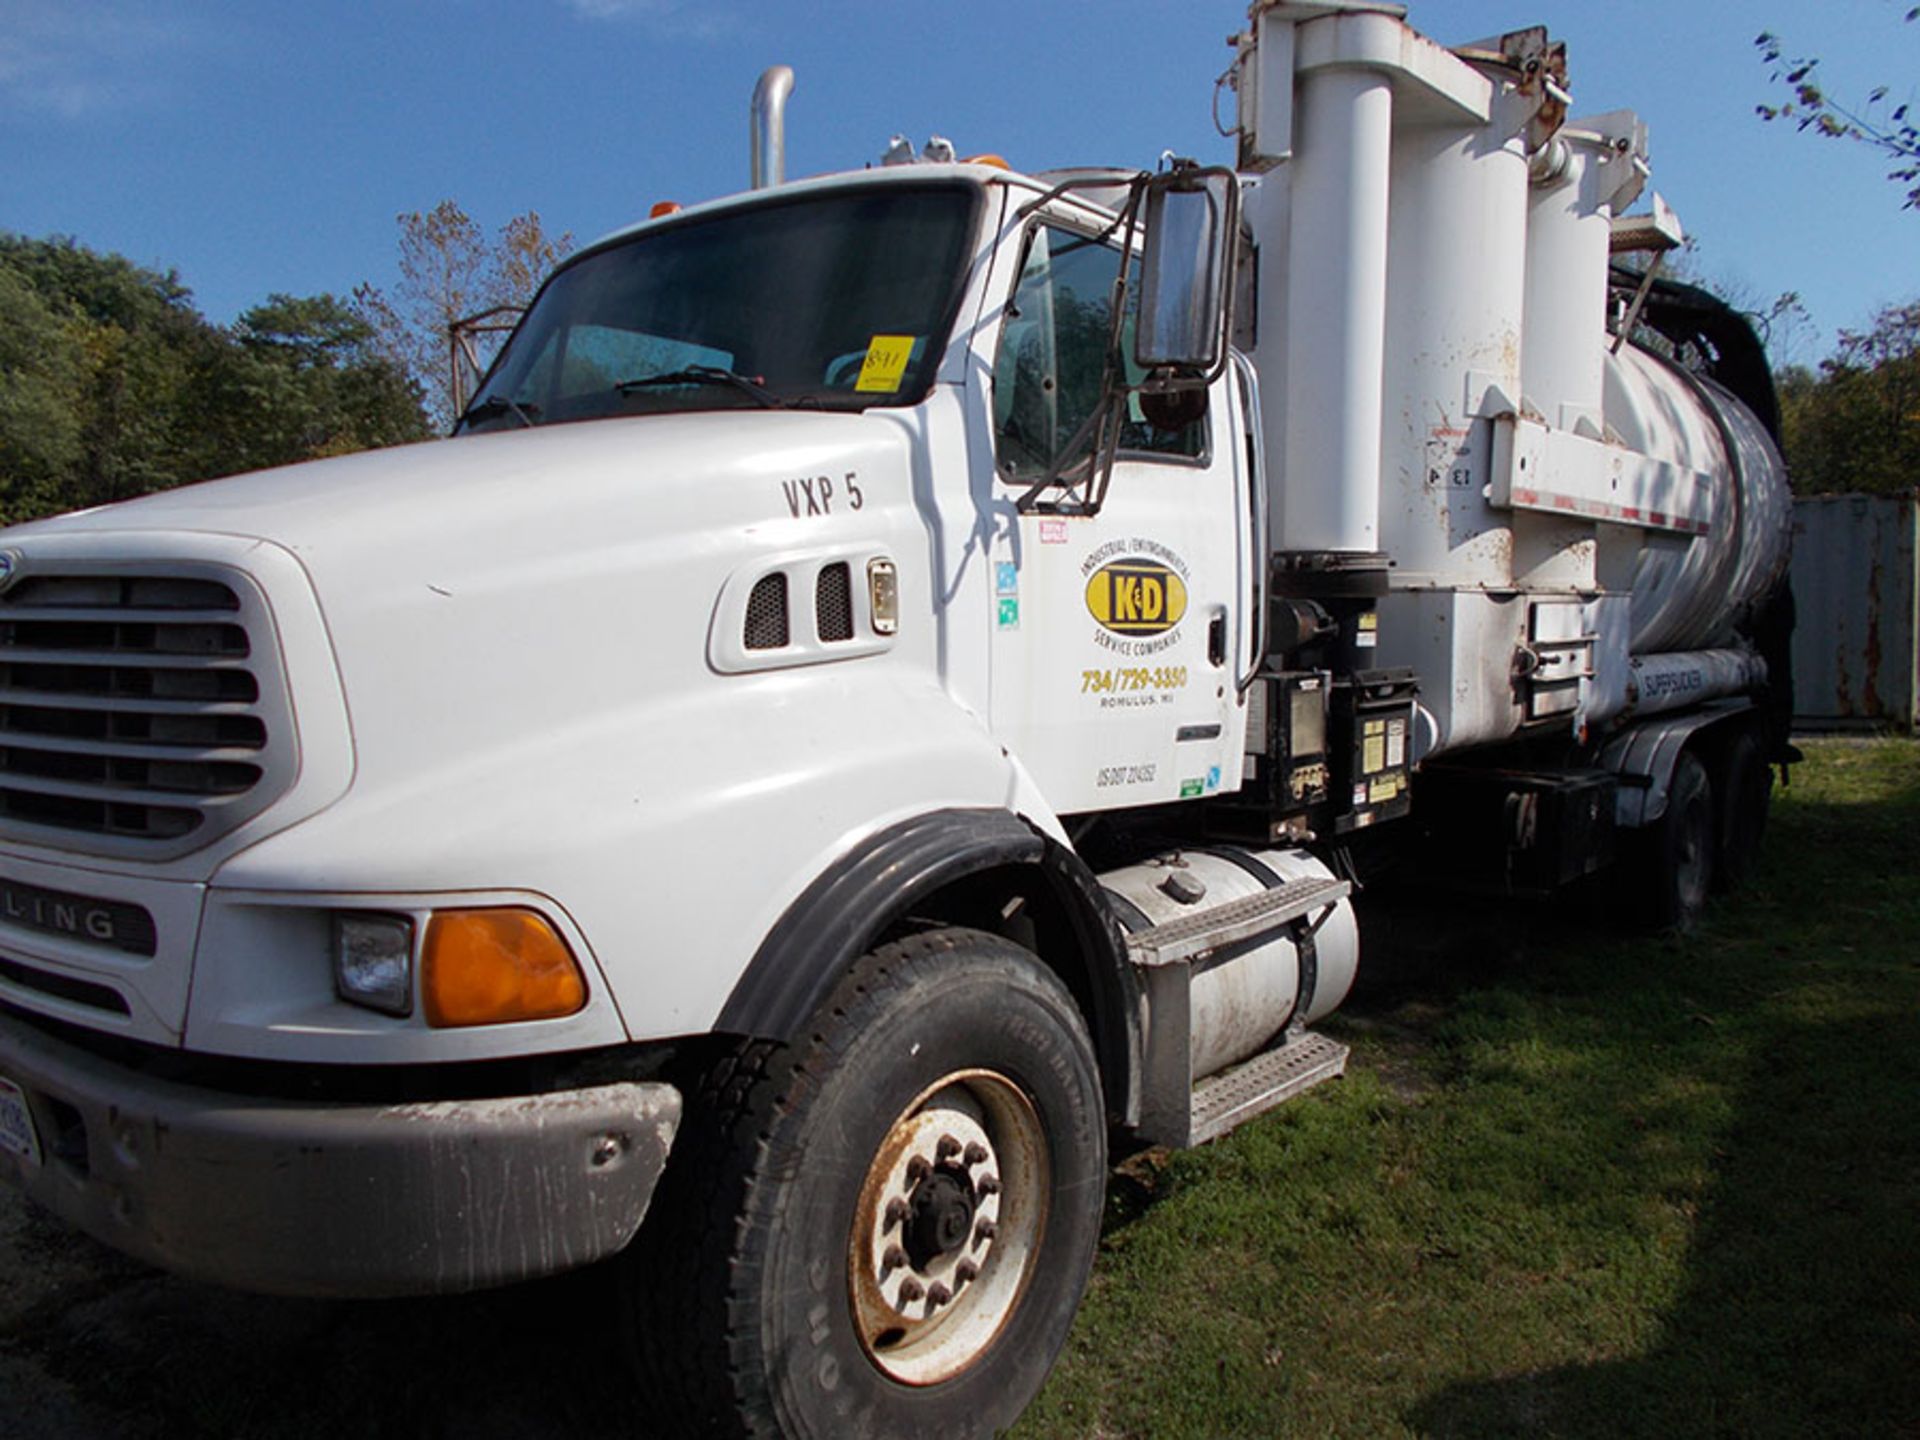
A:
(705, 375)
(496, 405)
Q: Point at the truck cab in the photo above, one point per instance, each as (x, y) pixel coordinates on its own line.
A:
(436, 812)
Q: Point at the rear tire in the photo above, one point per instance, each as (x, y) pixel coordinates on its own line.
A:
(885, 1228)
(1678, 864)
(1746, 792)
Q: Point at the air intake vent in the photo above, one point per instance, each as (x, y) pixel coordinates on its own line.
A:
(833, 603)
(64, 987)
(130, 707)
(766, 627)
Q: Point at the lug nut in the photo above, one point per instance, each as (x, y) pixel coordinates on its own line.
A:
(984, 1229)
(966, 1271)
(988, 1184)
(910, 1290)
(918, 1168)
(976, 1152)
(896, 1212)
(937, 1295)
(946, 1148)
(892, 1260)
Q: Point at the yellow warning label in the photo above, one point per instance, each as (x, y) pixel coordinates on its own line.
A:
(886, 364)
(1373, 753)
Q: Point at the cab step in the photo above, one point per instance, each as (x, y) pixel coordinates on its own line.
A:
(1240, 1092)
(1193, 936)
(1176, 1108)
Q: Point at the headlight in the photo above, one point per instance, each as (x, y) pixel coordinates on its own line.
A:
(373, 962)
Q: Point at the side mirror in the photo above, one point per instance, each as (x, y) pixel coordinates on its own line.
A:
(1191, 222)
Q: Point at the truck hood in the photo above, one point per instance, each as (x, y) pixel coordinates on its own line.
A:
(485, 601)
(442, 493)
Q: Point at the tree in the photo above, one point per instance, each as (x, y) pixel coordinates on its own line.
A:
(1888, 130)
(130, 342)
(1855, 424)
(112, 383)
(448, 271)
(42, 382)
(303, 379)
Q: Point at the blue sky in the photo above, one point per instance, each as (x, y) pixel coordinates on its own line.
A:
(266, 146)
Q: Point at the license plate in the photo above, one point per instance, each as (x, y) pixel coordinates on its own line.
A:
(16, 1123)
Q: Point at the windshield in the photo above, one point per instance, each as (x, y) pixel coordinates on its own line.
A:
(831, 301)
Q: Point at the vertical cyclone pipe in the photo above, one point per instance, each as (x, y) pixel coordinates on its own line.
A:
(1455, 288)
(1336, 308)
(1568, 233)
(767, 125)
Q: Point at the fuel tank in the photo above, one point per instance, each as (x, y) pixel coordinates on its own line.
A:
(1243, 995)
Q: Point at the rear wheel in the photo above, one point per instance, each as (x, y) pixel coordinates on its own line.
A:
(1678, 862)
(1746, 791)
(885, 1228)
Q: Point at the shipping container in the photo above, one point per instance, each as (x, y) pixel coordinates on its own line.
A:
(1858, 604)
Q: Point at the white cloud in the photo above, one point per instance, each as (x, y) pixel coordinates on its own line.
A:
(618, 9)
(672, 17)
(72, 60)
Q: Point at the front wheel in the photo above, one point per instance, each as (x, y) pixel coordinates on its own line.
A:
(885, 1228)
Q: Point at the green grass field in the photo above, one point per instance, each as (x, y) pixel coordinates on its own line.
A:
(1574, 1184)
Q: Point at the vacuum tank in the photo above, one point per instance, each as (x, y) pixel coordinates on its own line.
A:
(1538, 500)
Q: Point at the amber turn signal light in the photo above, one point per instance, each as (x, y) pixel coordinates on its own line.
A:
(492, 967)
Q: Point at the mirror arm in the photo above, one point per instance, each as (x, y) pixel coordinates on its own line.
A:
(1100, 440)
(1104, 424)
(1087, 182)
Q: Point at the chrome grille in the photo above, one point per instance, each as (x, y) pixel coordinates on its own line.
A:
(132, 709)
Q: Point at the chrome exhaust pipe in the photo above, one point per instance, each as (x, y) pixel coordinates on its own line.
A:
(768, 130)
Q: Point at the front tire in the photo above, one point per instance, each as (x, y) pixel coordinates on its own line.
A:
(883, 1229)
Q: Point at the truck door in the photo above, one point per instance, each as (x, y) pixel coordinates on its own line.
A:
(1117, 637)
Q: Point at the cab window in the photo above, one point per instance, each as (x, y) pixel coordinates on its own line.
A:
(1046, 375)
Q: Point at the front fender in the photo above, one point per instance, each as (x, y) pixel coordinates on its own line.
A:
(853, 902)
(838, 917)
(673, 835)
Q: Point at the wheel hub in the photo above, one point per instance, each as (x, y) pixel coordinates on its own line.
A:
(939, 1211)
(947, 1223)
(939, 1216)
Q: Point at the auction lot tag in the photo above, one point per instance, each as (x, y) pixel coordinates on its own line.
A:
(16, 1123)
(886, 364)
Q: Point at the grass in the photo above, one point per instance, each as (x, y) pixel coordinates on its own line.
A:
(1573, 1185)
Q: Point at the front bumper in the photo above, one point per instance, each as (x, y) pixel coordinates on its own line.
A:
(299, 1198)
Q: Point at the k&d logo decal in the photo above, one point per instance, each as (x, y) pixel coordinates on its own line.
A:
(1136, 596)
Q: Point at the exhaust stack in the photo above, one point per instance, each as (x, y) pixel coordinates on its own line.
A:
(768, 130)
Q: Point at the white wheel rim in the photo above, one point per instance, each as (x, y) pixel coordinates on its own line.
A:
(947, 1226)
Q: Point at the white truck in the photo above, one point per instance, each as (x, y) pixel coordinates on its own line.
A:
(885, 695)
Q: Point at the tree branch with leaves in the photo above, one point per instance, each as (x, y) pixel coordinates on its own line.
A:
(1888, 129)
